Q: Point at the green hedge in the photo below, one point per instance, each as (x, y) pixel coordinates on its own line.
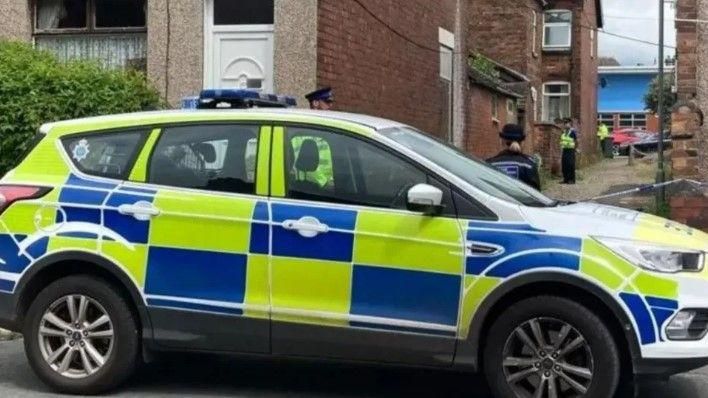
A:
(36, 88)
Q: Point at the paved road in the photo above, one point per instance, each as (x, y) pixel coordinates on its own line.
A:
(203, 377)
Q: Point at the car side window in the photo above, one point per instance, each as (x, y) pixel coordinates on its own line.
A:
(105, 154)
(334, 167)
(212, 157)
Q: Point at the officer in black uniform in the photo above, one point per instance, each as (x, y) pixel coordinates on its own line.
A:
(321, 99)
(512, 160)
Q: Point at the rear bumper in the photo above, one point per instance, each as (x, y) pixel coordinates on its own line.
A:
(8, 315)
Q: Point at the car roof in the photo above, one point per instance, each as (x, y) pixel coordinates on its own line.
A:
(176, 116)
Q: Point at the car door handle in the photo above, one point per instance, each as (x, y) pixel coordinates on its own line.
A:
(307, 227)
(141, 210)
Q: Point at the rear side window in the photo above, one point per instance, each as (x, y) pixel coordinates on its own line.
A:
(211, 157)
(106, 154)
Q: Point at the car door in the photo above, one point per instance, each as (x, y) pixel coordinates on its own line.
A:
(206, 284)
(353, 273)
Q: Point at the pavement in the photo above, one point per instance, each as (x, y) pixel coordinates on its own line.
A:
(209, 376)
(609, 176)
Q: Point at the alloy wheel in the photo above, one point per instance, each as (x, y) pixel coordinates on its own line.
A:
(547, 358)
(76, 336)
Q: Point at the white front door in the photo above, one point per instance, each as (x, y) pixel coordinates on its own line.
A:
(238, 45)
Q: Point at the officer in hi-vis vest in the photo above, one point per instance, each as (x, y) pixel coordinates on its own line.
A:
(603, 135)
(568, 143)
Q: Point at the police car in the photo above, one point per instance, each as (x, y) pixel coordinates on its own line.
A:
(295, 233)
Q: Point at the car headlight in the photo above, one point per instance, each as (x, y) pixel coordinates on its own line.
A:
(656, 257)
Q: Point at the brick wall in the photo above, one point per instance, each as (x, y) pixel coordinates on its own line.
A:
(579, 67)
(686, 48)
(482, 138)
(546, 140)
(503, 30)
(374, 71)
(690, 139)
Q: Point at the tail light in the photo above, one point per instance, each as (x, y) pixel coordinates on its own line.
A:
(10, 194)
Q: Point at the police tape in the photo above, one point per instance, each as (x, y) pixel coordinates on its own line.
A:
(647, 188)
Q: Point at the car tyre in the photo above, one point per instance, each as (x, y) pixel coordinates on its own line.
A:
(115, 343)
(514, 369)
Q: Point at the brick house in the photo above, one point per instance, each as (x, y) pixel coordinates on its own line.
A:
(554, 45)
(689, 157)
(408, 63)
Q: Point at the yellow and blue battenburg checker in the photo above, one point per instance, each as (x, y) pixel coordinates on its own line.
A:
(270, 259)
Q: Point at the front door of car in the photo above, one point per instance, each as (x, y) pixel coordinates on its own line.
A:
(206, 283)
(353, 273)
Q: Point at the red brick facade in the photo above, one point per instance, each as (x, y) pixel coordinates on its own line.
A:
(482, 134)
(579, 67)
(377, 72)
(506, 34)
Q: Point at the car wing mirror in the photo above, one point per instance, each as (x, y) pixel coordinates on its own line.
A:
(426, 199)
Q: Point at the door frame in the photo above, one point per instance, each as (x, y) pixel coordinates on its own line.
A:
(208, 78)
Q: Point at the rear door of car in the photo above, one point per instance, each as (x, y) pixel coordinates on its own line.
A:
(206, 279)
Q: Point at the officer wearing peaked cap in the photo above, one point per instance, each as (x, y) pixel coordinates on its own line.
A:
(512, 161)
(321, 99)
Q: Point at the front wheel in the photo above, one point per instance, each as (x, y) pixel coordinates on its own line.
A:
(81, 336)
(551, 347)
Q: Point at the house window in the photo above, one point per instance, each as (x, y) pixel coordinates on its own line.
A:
(69, 29)
(74, 16)
(243, 12)
(556, 101)
(607, 118)
(557, 30)
(633, 120)
(495, 107)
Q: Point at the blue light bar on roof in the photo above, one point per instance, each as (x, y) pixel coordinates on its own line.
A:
(239, 98)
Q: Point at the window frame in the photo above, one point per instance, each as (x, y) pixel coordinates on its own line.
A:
(144, 132)
(90, 28)
(495, 107)
(162, 127)
(544, 94)
(485, 212)
(534, 34)
(569, 25)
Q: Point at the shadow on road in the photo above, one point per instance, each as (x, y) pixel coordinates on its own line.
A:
(209, 376)
(212, 376)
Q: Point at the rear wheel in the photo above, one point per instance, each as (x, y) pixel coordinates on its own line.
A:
(550, 347)
(81, 336)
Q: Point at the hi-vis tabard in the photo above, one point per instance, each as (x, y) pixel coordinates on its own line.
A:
(567, 141)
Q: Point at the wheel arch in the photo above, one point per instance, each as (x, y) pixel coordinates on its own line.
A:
(469, 351)
(58, 265)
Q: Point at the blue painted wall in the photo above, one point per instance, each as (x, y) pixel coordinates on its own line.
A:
(623, 92)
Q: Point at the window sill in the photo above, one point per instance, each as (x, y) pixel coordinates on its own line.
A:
(495, 120)
(558, 50)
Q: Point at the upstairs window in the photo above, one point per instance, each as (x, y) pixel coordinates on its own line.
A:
(557, 30)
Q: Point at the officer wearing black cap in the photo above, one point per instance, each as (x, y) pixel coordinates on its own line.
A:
(321, 99)
(512, 162)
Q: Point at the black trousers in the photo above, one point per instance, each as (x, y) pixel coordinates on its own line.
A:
(568, 165)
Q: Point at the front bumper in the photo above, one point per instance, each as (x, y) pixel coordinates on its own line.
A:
(652, 368)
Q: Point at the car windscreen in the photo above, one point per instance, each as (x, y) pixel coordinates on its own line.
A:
(473, 171)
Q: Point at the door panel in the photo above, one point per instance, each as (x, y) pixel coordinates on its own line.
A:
(352, 281)
(207, 284)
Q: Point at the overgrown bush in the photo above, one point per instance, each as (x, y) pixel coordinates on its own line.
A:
(36, 88)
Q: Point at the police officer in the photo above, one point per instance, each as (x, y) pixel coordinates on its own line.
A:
(321, 99)
(568, 143)
(512, 162)
(603, 135)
